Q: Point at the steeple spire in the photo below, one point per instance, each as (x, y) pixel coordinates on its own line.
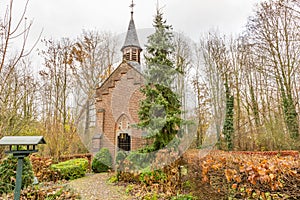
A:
(131, 48)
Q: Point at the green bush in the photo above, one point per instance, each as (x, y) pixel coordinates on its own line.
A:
(121, 155)
(149, 177)
(102, 161)
(71, 169)
(183, 197)
(8, 168)
(139, 161)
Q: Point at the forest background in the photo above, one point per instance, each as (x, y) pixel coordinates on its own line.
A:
(247, 85)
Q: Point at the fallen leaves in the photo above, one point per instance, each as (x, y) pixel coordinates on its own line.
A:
(46, 191)
(250, 173)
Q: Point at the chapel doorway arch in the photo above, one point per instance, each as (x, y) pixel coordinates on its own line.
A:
(123, 133)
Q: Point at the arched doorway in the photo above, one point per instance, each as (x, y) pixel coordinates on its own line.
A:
(124, 142)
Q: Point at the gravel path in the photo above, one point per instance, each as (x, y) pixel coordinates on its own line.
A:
(97, 187)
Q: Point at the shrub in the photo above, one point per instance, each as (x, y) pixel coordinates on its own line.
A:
(120, 158)
(102, 161)
(8, 168)
(137, 161)
(129, 188)
(121, 155)
(71, 169)
(152, 179)
(149, 177)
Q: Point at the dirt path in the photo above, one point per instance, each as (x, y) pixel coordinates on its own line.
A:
(96, 187)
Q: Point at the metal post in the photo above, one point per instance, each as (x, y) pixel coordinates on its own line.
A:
(17, 192)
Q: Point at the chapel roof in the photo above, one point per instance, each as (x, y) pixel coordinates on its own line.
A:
(131, 39)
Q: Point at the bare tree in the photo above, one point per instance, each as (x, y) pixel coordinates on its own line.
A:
(10, 31)
(183, 58)
(58, 84)
(17, 88)
(214, 69)
(93, 56)
(274, 34)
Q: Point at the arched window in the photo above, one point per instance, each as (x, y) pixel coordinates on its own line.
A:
(124, 142)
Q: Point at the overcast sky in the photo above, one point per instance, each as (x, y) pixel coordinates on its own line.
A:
(67, 18)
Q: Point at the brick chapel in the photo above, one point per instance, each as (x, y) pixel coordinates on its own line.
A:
(117, 101)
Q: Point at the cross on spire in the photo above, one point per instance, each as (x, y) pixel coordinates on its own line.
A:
(132, 6)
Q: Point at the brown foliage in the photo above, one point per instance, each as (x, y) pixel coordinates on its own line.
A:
(47, 191)
(162, 180)
(244, 175)
(42, 170)
(222, 175)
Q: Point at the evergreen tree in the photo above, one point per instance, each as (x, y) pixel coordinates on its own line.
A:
(160, 111)
(228, 128)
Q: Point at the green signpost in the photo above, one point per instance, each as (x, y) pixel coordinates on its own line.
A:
(20, 147)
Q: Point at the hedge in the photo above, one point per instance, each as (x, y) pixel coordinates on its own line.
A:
(71, 169)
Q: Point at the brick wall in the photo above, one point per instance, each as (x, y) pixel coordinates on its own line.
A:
(119, 95)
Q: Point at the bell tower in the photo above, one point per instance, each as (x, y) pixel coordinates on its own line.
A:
(131, 48)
